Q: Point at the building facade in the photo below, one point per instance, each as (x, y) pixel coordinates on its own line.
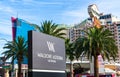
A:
(21, 27)
(108, 21)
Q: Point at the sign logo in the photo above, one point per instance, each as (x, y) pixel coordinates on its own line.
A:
(51, 46)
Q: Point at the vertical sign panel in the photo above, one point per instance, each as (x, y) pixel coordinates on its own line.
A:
(46, 55)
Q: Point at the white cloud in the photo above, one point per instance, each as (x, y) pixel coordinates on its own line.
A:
(6, 27)
(34, 3)
(7, 9)
(12, 0)
(50, 3)
(76, 13)
(3, 41)
(76, 16)
(104, 6)
(5, 30)
(2, 44)
(109, 6)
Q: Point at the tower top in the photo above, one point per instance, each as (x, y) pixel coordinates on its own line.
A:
(93, 11)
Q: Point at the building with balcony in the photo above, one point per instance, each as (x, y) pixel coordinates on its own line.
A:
(108, 21)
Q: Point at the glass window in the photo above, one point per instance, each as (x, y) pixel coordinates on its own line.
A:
(118, 27)
(118, 30)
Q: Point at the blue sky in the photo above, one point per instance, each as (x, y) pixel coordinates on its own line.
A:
(60, 11)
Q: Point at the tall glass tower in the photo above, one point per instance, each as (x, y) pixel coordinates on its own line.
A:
(20, 27)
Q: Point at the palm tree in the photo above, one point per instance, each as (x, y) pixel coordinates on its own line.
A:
(70, 54)
(16, 49)
(98, 41)
(79, 47)
(50, 28)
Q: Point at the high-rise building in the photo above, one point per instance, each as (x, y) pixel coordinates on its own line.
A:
(108, 21)
(21, 27)
(65, 31)
(76, 30)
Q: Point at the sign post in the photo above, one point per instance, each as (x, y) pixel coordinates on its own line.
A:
(46, 56)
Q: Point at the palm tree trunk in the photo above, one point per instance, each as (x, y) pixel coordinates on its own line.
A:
(12, 71)
(71, 69)
(96, 67)
(19, 68)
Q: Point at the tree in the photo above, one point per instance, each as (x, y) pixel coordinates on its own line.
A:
(50, 28)
(16, 49)
(79, 47)
(70, 54)
(98, 41)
